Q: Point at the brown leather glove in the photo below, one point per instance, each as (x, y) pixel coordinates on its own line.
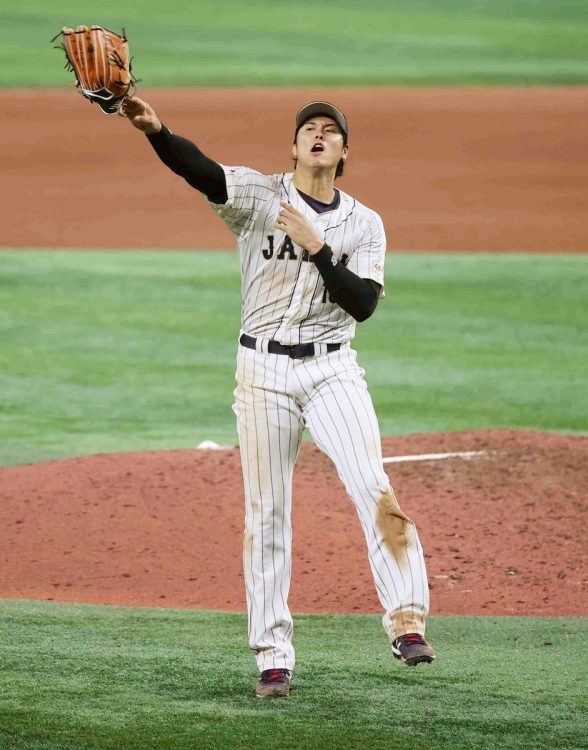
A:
(100, 60)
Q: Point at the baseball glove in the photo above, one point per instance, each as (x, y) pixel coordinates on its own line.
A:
(100, 60)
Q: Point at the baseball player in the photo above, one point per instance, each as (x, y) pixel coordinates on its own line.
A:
(312, 264)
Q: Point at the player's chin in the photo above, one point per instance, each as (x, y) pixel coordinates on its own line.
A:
(320, 162)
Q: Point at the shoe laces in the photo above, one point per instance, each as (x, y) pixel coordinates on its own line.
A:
(411, 639)
(274, 675)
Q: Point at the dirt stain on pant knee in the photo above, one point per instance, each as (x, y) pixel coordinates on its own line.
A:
(396, 528)
(247, 546)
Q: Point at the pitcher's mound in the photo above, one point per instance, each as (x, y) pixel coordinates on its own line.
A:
(503, 531)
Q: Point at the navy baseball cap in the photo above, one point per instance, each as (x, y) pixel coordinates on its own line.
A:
(322, 108)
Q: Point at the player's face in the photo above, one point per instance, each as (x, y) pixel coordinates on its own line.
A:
(319, 144)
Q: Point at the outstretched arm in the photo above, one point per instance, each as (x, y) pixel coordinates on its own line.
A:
(181, 155)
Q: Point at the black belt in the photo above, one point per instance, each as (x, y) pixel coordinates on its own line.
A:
(297, 351)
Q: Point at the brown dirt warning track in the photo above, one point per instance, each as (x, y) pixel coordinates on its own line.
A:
(467, 169)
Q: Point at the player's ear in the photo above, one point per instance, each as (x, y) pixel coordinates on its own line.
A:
(294, 151)
(345, 152)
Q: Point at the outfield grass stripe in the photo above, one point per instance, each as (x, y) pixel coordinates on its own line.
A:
(85, 676)
(274, 42)
(106, 352)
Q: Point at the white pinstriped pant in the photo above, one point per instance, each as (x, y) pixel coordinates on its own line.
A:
(275, 397)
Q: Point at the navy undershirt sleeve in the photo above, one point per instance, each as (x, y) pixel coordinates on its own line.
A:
(185, 159)
(355, 295)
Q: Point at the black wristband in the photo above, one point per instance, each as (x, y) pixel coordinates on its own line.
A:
(324, 259)
(163, 133)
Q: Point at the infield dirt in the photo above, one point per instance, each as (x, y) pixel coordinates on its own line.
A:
(474, 169)
(503, 533)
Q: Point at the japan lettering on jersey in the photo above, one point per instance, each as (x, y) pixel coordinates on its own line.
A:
(282, 293)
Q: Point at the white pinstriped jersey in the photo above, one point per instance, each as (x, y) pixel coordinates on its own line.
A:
(282, 293)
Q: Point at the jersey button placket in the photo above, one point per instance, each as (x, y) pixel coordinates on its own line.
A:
(298, 301)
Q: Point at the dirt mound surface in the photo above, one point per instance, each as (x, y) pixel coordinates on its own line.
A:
(447, 168)
(503, 532)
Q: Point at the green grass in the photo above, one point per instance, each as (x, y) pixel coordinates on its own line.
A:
(277, 42)
(119, 351)
(114, 678)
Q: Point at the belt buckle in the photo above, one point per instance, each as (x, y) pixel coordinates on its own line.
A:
(293, 350)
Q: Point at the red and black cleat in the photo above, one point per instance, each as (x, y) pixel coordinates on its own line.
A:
(274, 683)
(413, 649)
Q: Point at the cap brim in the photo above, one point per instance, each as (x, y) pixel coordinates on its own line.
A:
(325, 109)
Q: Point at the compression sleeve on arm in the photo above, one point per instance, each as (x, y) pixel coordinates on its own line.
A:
(355, 295)
(185, 159)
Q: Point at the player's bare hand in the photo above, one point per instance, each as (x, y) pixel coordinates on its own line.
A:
(140, 114)
(298, 228)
